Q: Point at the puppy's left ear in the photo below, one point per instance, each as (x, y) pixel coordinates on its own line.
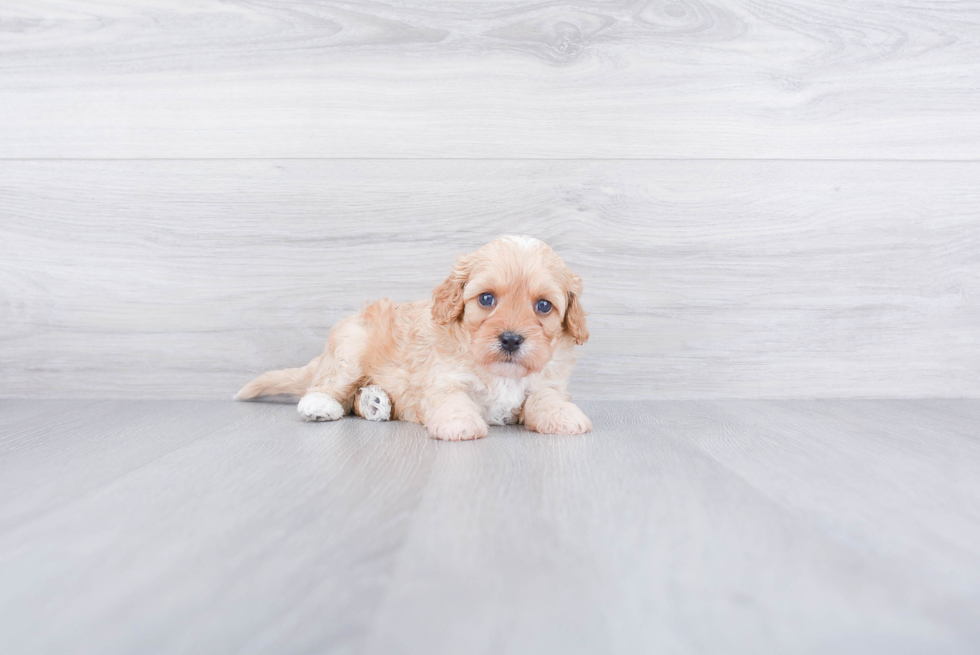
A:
(447, 298)
(574, 314)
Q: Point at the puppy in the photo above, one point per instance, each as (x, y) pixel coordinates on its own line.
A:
(494, 346)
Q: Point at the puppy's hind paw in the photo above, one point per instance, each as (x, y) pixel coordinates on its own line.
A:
(316, 406)
(373, 403)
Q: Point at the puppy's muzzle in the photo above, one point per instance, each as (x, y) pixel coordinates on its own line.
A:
(510, 342)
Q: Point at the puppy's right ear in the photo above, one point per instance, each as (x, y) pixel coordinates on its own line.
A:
(447, 298)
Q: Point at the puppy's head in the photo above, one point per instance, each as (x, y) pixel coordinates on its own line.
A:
(518, 302)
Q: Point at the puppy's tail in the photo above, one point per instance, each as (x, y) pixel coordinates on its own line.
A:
(293, 381)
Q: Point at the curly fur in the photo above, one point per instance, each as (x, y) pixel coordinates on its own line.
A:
(440, 360)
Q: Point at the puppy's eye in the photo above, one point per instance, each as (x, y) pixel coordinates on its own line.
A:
(543, 307)
(487, 299)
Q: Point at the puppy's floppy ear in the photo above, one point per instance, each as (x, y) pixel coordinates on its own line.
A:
(574, 315)
(447, 298)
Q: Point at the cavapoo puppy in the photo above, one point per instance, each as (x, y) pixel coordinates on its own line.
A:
(493, 346)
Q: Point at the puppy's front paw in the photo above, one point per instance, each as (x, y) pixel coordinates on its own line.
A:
(316, 406)
(456, 426)
(565, 418)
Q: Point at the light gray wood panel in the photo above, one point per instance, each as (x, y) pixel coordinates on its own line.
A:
(961, 410)
(77, 449)
(692, 78)
(911, 462)
(244, 531)
(703, 279)
(15, 410)
(676, 526)
(740, 527)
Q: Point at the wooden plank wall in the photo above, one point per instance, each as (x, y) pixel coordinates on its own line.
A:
(765, 199)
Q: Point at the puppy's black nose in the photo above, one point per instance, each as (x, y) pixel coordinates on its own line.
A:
(511, 341)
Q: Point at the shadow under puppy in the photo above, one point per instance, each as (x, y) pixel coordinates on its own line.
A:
(493, 346)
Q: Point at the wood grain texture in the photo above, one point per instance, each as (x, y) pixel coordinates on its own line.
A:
(703, 279)
(202, 527)
(676, 526)
(416, 78)
(698, 527)
(77, 448)
(13, 410)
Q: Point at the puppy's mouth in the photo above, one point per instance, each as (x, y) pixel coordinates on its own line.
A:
(502, 357)
(506, 368)
(503, 363)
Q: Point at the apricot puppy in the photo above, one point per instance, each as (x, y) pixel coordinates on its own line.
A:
(494, 346)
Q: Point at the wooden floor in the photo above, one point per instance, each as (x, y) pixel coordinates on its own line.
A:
(675, 527)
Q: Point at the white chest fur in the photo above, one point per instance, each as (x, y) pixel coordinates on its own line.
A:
(502, 399)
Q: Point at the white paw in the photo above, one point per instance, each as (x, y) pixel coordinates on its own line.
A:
(565, 418)
(456, 426)
(316, 406)
(374, 403)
